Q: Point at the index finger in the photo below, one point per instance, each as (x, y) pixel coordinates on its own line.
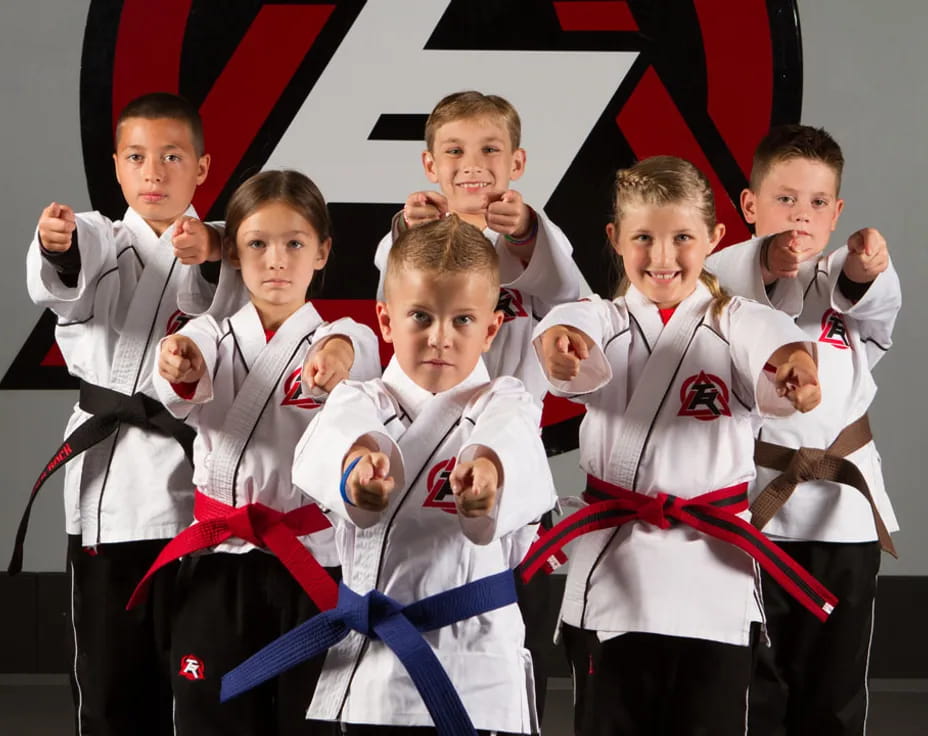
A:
(438, 200)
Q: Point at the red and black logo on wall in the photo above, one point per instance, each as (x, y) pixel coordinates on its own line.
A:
(707, 81)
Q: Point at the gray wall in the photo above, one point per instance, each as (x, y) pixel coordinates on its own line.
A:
(864, 81)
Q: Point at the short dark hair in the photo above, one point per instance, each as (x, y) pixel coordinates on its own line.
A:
(785, 142)
(157, 105)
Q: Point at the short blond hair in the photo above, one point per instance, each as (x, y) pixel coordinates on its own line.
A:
(663, 180)
(445, 246)
(786, 142)
(472, 104)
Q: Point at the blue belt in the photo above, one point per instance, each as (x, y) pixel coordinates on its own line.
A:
(380, 617)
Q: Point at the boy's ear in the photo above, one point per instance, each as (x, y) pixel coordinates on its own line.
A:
(202, 168)
(715, 237)
(428, 163)
(749, 206)
(383, 320)
(518, 164)
(116, 167)
(492, 329)
(322, 255)
(839, 207)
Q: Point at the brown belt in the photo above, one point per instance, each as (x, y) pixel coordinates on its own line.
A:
(808, 463)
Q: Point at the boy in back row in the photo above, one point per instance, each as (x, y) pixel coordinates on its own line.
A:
(113, 287)
(473, 153)
(819, 490)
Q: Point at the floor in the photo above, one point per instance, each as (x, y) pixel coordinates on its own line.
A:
(40, 705)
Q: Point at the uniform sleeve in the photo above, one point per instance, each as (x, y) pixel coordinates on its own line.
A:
(755, 332)
(196, 295)
(551, 277)
(97, 240)
(206, 333)
(592, 316)
(875, 312)
(366, 364)
(508, 426)
(738, 270)
(353, 410)
(380, 260)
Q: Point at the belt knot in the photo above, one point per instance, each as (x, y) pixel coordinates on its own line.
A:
(363, 613)
(805, 464)
(653, 510)
(250, 522)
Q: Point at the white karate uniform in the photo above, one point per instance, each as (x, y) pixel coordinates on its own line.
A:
(851, 338)
(681, 422)
(527, 293)
(249, 408)
(136, 484)
(419, 546)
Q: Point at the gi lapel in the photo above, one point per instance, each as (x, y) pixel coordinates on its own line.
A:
(265, 370)
(430, 429)
(141, 320)
(657, 377)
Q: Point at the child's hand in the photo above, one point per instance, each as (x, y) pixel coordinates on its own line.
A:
(797, 380)
(474, 485)
(867, 256)
(369, 485)
(180, 360)
(562, 349)
(508, 214)
(194, 242)
(329, 366)
(56, 225)
(784, 254)
(422, 207)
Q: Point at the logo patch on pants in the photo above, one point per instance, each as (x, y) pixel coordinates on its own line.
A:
(192, 667)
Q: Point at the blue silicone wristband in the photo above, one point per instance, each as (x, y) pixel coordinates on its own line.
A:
(344, 483)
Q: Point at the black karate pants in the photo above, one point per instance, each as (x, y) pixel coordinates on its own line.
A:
(813, 678)
(534, 604)
(582, 649)
(119, 659)
(227, 607)
(655, 685)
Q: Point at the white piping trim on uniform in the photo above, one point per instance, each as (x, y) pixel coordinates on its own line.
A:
(747, 706)
(77, 682)
(867, 667)
(174, 714)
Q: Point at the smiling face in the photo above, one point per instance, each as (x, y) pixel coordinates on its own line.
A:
(158, 168)
(796, 194)
(663, 248)
(278, 252)
(439, 323)
(470, 159)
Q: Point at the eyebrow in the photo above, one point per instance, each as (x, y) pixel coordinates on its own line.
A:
(168, 147)
(286, 234)
(488, 139)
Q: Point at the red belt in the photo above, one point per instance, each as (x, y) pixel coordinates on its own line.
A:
(262, 526)
(711, 513)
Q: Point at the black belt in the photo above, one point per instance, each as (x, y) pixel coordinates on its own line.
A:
(109, 409)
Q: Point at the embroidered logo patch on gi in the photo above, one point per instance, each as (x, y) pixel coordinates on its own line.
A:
(177, 320)
(293, 392)
(440, 495)
(510, 304)
(834, 330)
(192, 667)
(705, 397)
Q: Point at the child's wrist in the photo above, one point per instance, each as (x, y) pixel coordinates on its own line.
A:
(529, 236)
(343, 486)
